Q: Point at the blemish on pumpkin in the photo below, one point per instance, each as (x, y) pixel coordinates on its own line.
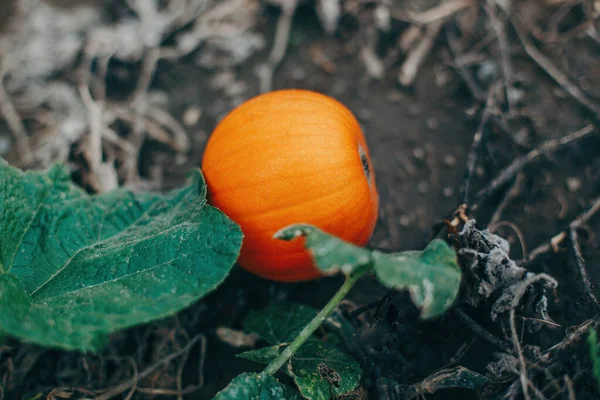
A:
(365, 163)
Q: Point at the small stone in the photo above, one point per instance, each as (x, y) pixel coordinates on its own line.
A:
(192, 115)
(395, 96)
(422, 187)
(5, 144)
(414, 109)
(574, 184)
(180, 159)
(449, 160)
(432, 123)
(419, 153)
(405, 221)
(364, 115)
(298, 74)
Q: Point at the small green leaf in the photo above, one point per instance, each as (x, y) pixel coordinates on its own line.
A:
(280, 322)
(264, 355)
(432, 276)
(77, 267)
(331, 254)
(321, 369)
(252, 386)
(594, 354)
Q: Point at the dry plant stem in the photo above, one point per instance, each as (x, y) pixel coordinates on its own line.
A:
(499, 27)
(570, 388)
(514, 191)
(457, 52)
(147, 72)
(475, 145)
(282, 35)
(117, 390)
(521, 162)
(135, 379)
(444, 10)
(573, 336)
(556, 74)
(580, 262)
(418, 54)
(14, 122)
(478, 329)
(552, 245)
(313, 325)
(525, 383)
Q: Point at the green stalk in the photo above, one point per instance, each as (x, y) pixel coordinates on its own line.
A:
(313, 325)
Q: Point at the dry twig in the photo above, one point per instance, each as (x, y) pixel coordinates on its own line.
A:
(117, 390)
(479, 330)
(511, 194)
(457, 52)
(14, 122)
(521, 162)
(418, 54)
(477, 139)
(525, 382)
(499, 27)
(556, 240)
(445, 10)
(282, 34)
(560, 77)
(580, 262)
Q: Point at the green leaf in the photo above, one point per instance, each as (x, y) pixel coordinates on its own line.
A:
(331, 254)
(432, 276)
(280, 322)
(321, 369)
(594, 354)
(77, 267)
(264, 355)
(252, 386)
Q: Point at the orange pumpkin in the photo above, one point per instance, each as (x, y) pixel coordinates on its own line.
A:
(286, 157)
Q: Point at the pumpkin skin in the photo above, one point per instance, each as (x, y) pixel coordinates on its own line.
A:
(287, 157)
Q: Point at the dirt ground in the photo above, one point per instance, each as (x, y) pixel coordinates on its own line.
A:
(420, 138)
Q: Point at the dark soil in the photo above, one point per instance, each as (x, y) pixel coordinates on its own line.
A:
(419, 139)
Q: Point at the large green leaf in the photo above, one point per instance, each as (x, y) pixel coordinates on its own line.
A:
(432, 276)
(252, 386)
(280, 322)
(76, 267)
